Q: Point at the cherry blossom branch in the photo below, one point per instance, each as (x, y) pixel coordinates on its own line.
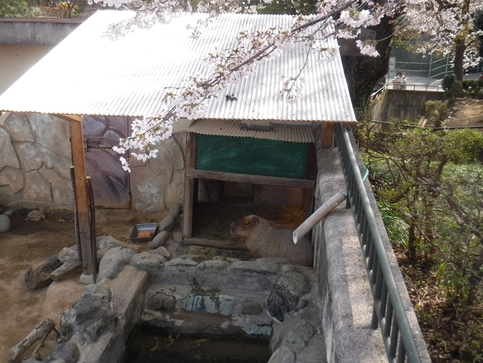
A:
(446, 23)
(323, 17)
(228, 65)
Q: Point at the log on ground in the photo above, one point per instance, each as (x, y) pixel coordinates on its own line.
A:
(39, 276)
(40, 332)
(70, 263)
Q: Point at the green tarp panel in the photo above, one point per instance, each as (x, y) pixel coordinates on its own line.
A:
(246, 155)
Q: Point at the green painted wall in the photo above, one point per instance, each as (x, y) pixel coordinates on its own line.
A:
(246, 155)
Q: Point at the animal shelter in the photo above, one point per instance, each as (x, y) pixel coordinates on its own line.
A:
(130, 78)
(248, 168)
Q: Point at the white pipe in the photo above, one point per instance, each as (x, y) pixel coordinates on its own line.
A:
(317, 216)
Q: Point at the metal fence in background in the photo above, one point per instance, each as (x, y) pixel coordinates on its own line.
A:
(419, 69)
(424, 70)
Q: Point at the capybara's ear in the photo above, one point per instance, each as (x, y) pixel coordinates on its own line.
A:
(255, 219)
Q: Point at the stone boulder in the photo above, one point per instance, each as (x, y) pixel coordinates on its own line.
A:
(286, 293)
(5, 223)
(114, 260)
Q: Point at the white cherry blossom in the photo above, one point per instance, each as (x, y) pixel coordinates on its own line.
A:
(447, 28)
(224, 66)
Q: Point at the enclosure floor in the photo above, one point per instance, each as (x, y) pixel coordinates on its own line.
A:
(211, 220)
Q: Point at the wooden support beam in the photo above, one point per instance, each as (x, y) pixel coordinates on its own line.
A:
(215, 243)
(70, 118)
(327, 134)
(190, 150)
(76, 219)
(189, 186)
(92, 228)
(250, 179)
(81, 194)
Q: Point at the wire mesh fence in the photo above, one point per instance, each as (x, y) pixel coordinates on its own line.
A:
(424, 72)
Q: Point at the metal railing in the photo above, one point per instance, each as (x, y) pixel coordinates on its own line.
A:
(408, 87)
(435, 87)
(428, 69)
(388, 313)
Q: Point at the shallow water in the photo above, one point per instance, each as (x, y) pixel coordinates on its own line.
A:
(146, 347)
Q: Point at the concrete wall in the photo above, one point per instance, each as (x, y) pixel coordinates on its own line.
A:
(15, 60)
(23, 42)
(403, 104)
(35, 31)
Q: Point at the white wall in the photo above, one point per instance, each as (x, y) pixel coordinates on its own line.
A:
(15, 60)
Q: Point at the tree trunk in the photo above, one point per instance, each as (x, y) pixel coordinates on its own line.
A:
(412, 253)
(363, 72)
(458, 61)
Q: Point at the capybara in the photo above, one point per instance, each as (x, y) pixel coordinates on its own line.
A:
(267, 239)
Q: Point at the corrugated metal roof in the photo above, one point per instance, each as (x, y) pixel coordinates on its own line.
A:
(89, 74)
(280, 132)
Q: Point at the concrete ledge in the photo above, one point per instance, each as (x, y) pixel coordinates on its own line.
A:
(26, 31)
(401, 285)
(256, 275)
(127, 298)
(345, 292)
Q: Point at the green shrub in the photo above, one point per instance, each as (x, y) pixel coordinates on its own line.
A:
(430, 193)
(463, 146)
(437, 112)
(472, 88)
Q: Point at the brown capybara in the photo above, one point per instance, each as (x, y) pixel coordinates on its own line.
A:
(267, 239)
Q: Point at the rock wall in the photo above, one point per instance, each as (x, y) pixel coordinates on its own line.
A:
(35, 160)
(267, 299)
(159, 183)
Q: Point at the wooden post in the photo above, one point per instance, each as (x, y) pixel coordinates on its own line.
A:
(76, 217)
(327, 134)
(81, 194)
(189, 186)
(92, 224)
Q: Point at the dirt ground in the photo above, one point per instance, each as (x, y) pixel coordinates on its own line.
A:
(467, 112)
(28, 244)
